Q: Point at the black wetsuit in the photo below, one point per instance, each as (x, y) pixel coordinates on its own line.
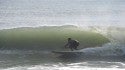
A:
(72, 44)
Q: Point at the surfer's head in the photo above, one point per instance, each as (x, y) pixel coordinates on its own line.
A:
(69, 39)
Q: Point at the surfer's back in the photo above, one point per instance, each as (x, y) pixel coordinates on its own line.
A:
(72, 44)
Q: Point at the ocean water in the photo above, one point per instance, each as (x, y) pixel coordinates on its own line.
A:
(30, 13)
(31, 29)
(24, 49)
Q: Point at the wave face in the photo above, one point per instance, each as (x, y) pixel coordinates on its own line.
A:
(48, 37)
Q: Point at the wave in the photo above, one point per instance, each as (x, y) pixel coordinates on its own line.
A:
(48, 37)
(116, 47)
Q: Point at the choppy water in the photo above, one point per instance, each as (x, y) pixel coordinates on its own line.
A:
(36, 60)
(39, 60)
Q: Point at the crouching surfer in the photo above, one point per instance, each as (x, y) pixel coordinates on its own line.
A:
(72, 44)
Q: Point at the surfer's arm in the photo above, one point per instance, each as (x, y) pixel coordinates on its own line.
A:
(66, 45)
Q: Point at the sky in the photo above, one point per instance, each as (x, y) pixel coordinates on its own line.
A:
(19, 13)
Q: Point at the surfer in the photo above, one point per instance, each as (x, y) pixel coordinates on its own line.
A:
(72, 44)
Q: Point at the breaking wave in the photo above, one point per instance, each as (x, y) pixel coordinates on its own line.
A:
(48, 38)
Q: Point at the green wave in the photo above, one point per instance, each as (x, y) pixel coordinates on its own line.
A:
(48, 38)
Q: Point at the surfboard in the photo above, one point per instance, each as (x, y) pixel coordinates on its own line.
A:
(67, 52)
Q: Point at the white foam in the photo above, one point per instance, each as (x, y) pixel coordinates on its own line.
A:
(72, 66)
(106, 50)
